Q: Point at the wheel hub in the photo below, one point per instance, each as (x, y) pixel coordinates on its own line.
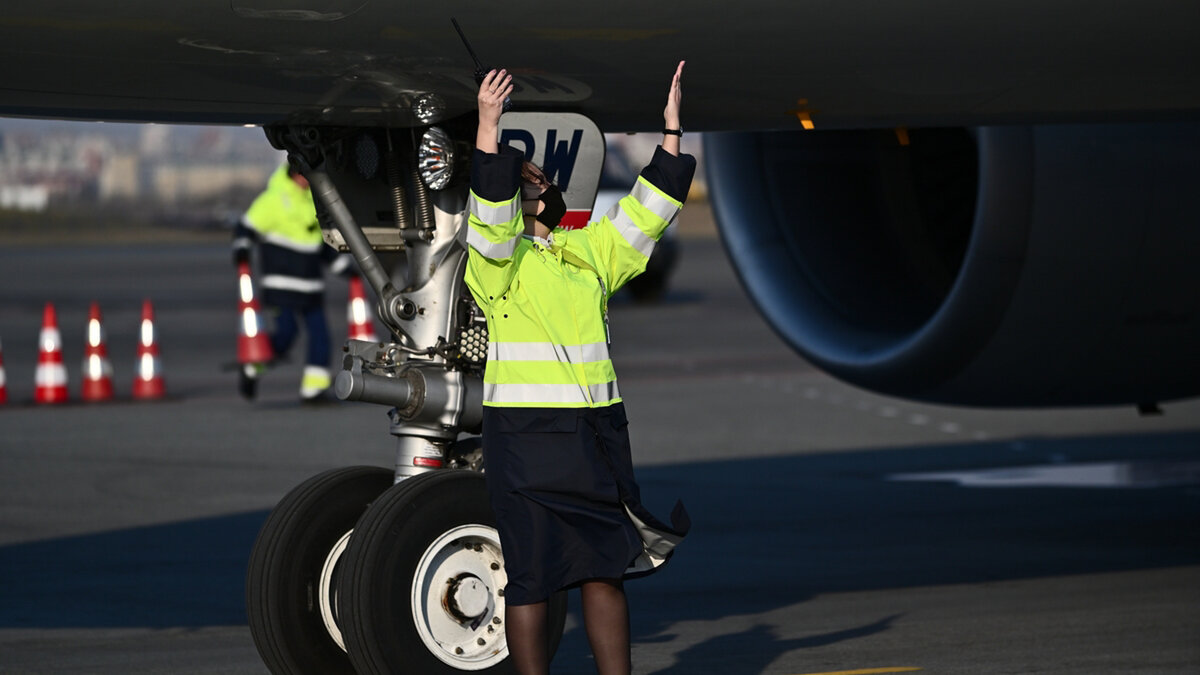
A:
(457, 598)
(467, 597)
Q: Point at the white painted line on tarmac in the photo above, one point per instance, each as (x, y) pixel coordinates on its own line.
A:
(887, 411)
(867, 671)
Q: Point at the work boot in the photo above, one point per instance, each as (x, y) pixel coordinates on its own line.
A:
(248, 380)
(315, 384)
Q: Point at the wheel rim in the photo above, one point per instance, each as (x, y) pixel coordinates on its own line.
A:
(327, 589)
(457, 598)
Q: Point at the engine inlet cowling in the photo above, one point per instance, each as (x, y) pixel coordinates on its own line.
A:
(998, 266)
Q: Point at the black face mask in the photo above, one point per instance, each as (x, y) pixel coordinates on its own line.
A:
(555, 207)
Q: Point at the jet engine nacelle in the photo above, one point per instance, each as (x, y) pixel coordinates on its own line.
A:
(1053, 265)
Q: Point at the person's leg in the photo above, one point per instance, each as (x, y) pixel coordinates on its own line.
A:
(285, 330)
(317, 377)
(525, 630)
(318, 336)
(606, 618)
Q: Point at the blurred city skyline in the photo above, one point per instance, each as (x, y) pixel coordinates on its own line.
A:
(46, 163)
(101, 180)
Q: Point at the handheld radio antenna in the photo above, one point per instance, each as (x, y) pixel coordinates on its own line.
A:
(463, 37)
(480, 71)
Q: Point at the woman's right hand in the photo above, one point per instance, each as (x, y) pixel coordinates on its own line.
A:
(496, 87)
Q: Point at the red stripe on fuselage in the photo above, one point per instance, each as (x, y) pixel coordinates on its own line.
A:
(574, 220)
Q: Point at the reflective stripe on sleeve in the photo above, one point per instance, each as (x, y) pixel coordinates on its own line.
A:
(283, 283)
(485, 215)
(547, 351)
(492, 213)
(550, 394)
(654, 202)
(341, 264)
(490, 249)
(629, 230)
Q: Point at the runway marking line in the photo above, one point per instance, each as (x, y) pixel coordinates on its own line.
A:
(868, 671)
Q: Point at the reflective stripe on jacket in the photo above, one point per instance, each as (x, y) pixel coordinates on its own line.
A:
(546, 301)
(283, 222)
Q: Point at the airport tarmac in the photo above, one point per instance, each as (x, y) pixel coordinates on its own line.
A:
(835, 531)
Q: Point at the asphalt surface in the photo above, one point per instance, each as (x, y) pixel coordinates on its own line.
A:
(834, 530)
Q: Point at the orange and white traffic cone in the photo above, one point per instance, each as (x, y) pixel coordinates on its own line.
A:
(358, 318)
(148, 381)
(97, 369)
(50, 379)
(3, 379)
(254, 347)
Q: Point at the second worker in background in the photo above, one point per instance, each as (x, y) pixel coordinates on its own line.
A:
(282, 223)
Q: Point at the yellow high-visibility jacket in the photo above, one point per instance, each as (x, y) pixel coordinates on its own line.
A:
(546, 301)
(282, 221)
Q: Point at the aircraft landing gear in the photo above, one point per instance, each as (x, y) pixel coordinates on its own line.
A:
(352, 574)
(423, 586)
(367, 570)
(291, 579)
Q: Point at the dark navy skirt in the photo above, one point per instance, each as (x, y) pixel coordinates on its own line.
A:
(567, 506)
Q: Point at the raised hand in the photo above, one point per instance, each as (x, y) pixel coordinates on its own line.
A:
(671, 112)
(674, 98)
(496, 87)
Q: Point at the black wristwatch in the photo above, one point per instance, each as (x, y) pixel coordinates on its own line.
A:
(674, 132)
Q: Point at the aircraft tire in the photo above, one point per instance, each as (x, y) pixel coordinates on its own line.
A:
(422, 590)
(295, 557)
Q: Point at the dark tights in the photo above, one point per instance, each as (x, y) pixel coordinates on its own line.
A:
(525, 630)
(605, 616)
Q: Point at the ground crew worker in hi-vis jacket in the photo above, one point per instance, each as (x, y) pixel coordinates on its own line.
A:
(555, 440)
(282, 221)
